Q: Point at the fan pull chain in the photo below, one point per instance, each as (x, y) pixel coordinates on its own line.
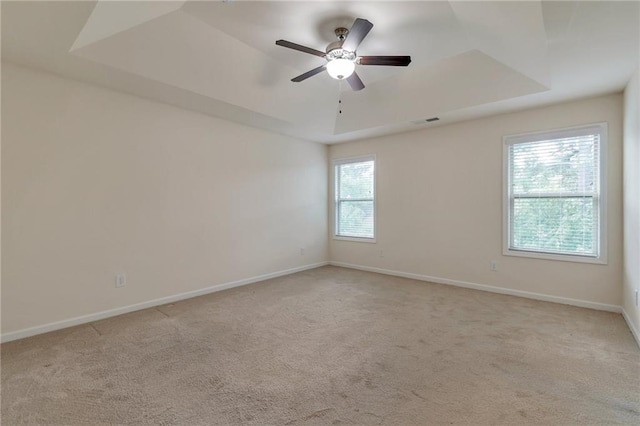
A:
(340, 96)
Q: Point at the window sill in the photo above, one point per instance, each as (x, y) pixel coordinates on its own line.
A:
(355, 239)
(602, 260)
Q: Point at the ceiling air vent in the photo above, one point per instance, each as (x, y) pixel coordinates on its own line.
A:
(426, 120)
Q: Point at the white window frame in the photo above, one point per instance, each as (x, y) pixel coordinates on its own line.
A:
(335, 183)
(601, 238)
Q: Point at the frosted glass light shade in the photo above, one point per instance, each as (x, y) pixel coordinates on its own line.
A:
(340, 68)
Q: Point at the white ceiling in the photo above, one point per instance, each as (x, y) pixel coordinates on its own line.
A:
(469, 59)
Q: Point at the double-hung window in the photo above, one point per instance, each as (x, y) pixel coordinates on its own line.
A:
(554, 200)
(354, 204)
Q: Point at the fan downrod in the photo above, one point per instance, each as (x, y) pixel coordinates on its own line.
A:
(335, 50)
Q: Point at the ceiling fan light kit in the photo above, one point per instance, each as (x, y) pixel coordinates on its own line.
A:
(341, 55)
(340, 68)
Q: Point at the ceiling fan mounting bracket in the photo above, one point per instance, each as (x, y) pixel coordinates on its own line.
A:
(341, 33)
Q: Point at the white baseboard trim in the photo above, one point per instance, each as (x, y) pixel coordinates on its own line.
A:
(632, 327)
(32, 331)
(484, 287)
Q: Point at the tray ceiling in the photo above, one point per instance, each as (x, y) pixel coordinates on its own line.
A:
(469, 58)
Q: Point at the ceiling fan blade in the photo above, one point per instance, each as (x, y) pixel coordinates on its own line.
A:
(308, 74)
(357, 33)
(355, 82)
(394, 61)
(305, 49)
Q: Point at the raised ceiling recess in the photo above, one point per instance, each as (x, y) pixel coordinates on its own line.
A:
(468, 59)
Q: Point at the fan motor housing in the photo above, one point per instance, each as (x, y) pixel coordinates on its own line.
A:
(335, 51)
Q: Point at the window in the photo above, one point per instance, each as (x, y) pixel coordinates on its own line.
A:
(354, 199)
(554, 205)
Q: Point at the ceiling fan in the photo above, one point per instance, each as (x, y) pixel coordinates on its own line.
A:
(341, 55)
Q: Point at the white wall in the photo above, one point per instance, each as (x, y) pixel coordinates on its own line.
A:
(439, 205)
(631, 281)
(95, 182)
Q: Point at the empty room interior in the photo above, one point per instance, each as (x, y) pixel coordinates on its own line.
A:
(320, 213)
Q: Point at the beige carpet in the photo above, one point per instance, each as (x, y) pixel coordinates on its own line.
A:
(331, 346)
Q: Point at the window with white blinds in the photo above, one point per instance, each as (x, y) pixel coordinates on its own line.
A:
(554, 201)
(354, 198)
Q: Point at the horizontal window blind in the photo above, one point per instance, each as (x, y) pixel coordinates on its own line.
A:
(354, 216)
(554, 191)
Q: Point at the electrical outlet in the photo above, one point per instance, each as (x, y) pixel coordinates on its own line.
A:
(381, 253)
(121, 280)
(636, 297)
(301, 251)
(494, 265)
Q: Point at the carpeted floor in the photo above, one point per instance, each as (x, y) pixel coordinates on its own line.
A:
(331, 346)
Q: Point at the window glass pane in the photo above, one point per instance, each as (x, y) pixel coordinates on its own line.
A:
(356, 180)
(554, 225)
(566, 165)
(355, 218)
